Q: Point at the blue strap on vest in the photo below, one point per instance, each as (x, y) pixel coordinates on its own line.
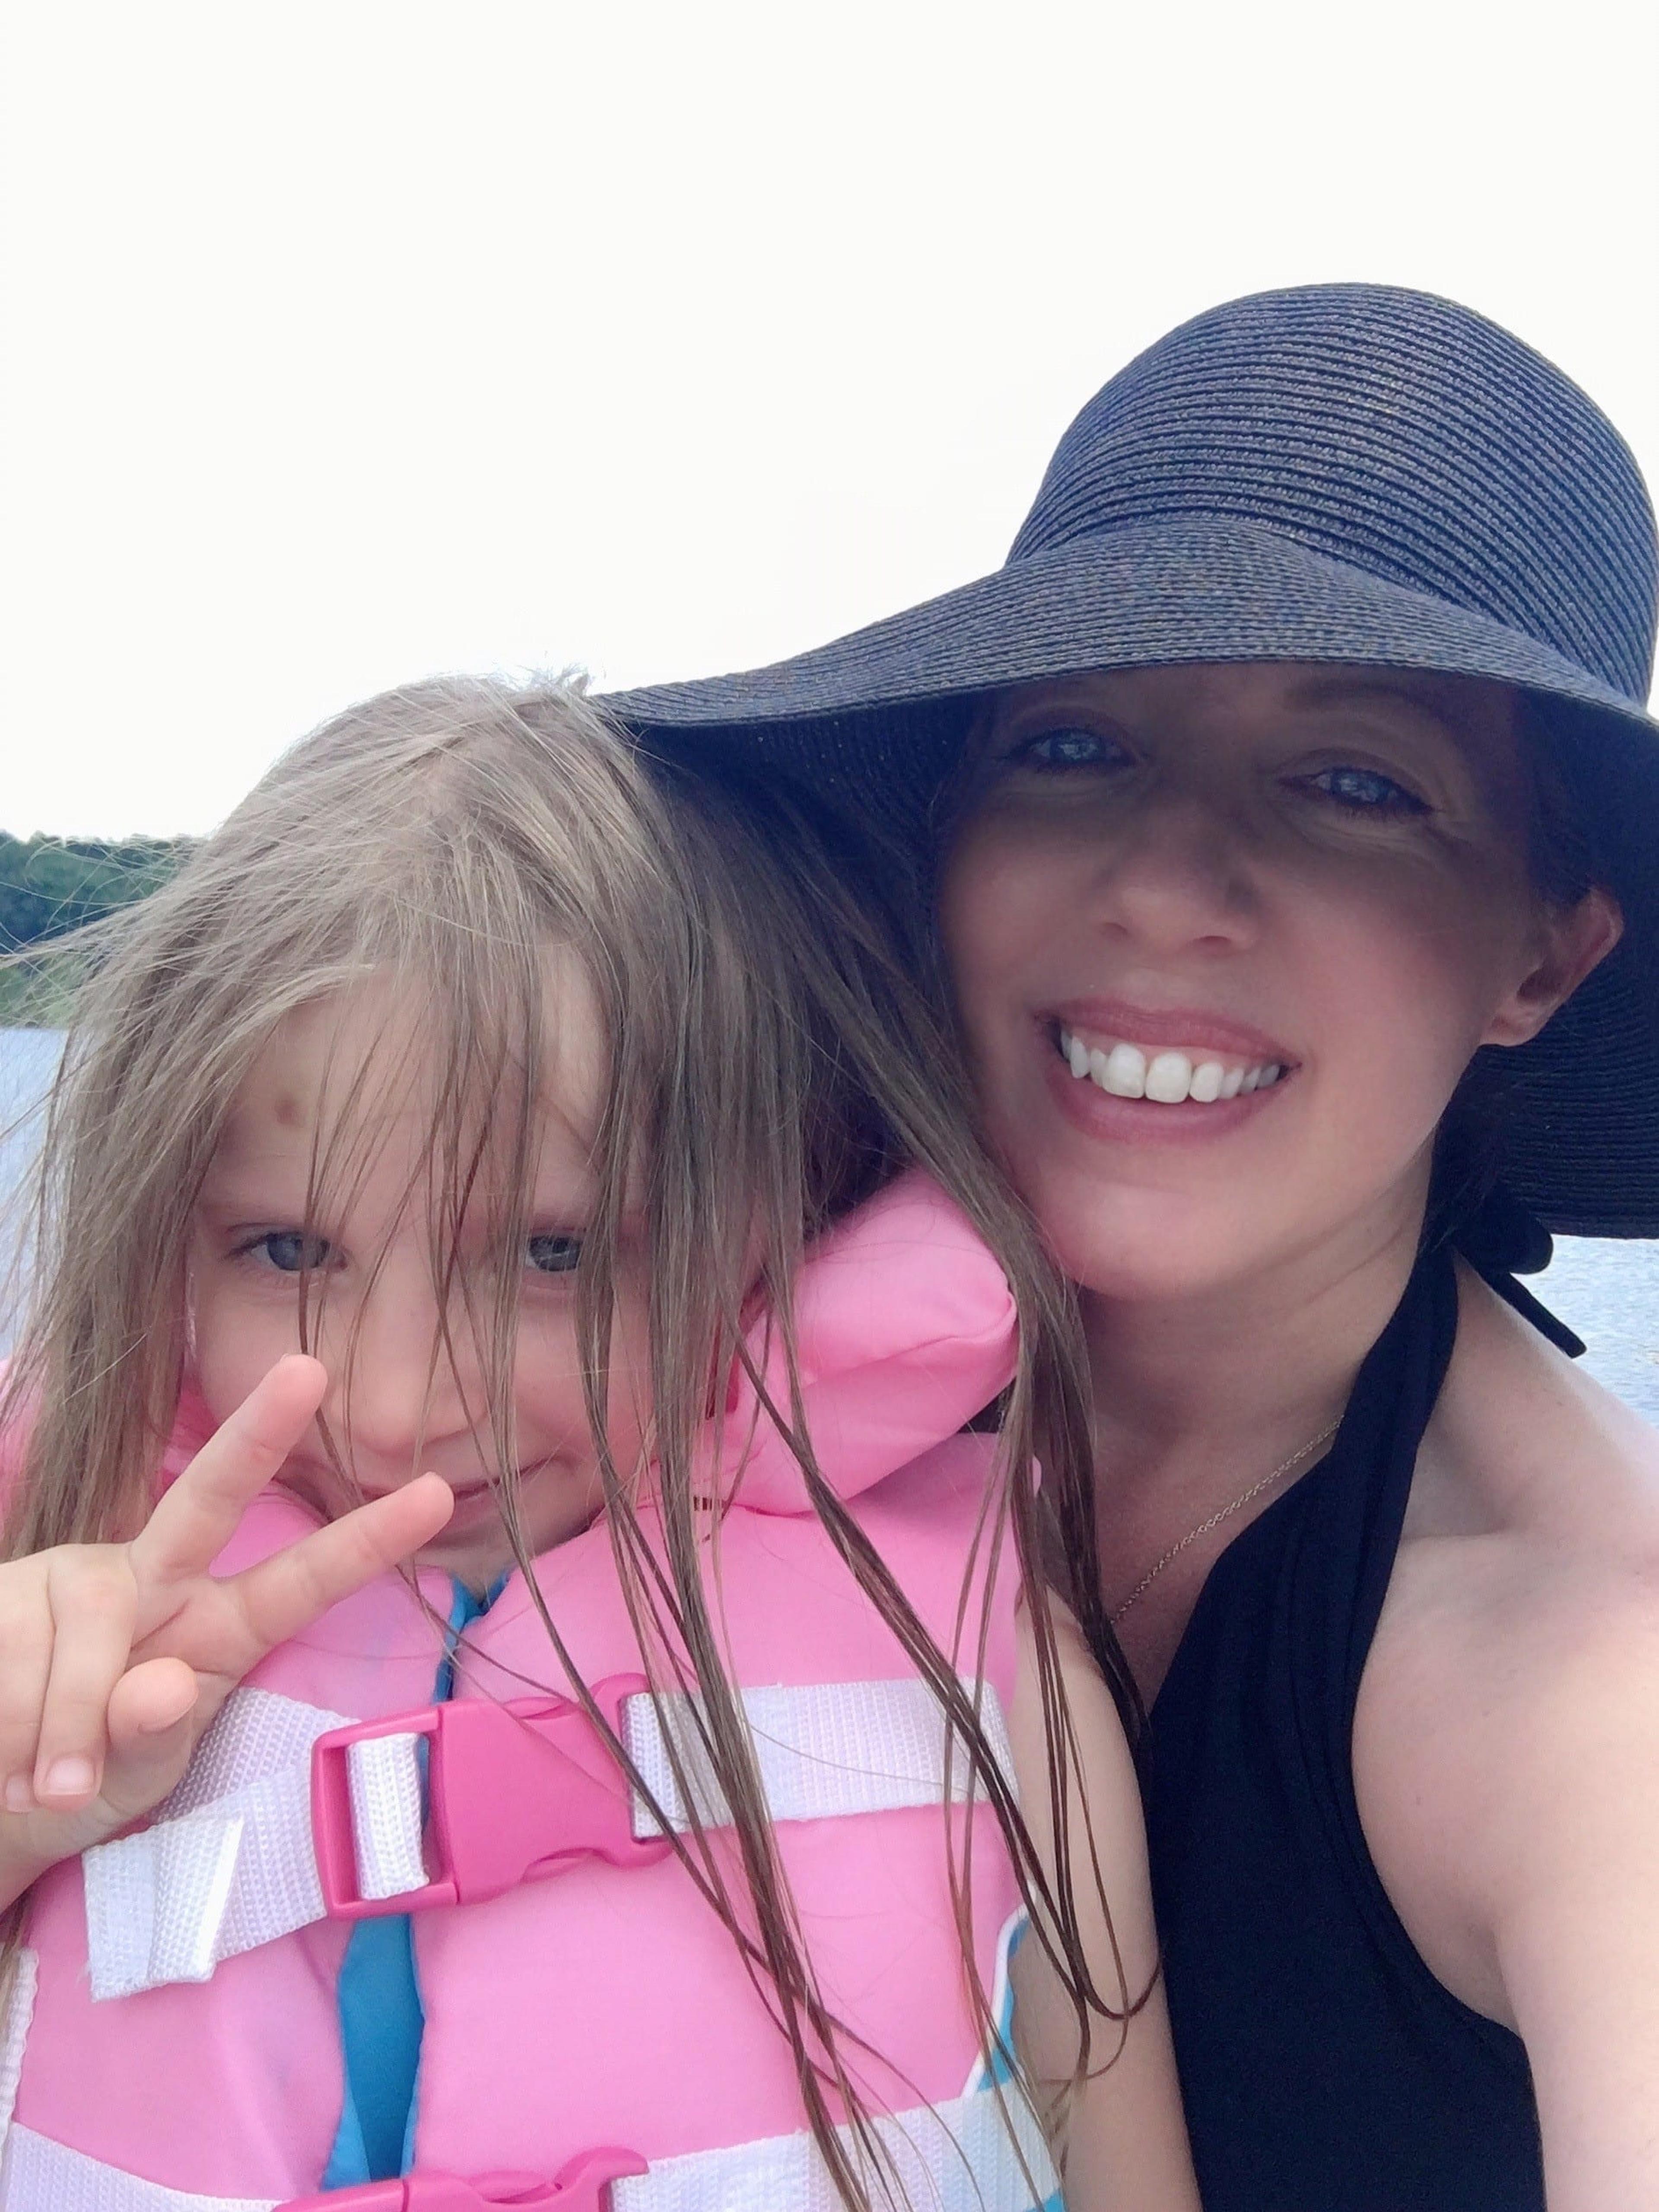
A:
(381, 2016)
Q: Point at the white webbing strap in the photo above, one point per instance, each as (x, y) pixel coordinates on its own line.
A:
(383, 1773)
(960, 2157)
(226, 1864)
(14, 2030)
(229, 1862)
(822, 1749)
(38, 2175)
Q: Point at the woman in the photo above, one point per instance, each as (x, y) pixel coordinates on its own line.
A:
(1290, 788)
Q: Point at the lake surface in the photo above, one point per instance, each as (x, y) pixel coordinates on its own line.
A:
(1608, 1291)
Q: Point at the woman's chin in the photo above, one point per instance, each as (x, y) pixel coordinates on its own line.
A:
(1134, 1243)
(1137, 1244)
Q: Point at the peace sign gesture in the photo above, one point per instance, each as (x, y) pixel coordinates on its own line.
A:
(115, 1657)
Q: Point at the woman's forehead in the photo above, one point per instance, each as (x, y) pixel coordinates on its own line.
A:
(1458, 704)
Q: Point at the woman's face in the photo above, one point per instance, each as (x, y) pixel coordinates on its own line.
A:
(1223, 940)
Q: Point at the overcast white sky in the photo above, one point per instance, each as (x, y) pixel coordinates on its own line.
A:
(347, 342)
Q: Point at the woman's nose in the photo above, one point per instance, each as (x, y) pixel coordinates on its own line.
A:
(1176, 876)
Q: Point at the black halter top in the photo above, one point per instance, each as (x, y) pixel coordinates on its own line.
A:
(1324, 2068)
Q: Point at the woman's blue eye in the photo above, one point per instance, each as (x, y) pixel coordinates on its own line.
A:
(553, 1255)
(293, 1253)
(1366, 791)
(1070, 748)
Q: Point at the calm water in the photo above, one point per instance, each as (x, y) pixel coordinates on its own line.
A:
(1609, 1292)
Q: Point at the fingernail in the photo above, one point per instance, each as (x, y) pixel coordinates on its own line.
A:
(19, 1793)
(68, 1778)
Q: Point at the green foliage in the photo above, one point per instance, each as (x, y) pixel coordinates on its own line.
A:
(34, 994)
(49, 885)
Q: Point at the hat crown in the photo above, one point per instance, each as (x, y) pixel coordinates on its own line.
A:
(1391, 430)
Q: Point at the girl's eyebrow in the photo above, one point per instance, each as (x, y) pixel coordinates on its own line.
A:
(254, 1175)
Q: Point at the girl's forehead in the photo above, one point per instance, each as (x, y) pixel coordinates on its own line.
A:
(378, 1057)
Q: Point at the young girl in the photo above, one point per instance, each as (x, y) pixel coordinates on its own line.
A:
(514, 1677)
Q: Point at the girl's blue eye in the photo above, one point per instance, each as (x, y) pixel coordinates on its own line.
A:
(553, 1253)
(293, 1253)
(1366, 791)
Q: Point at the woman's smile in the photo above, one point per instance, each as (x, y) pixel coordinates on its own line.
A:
(1175, 1074)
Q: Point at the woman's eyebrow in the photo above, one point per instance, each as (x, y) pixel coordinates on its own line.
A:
(1343, 691)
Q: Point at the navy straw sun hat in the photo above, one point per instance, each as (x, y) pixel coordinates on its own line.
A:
(1344, 472)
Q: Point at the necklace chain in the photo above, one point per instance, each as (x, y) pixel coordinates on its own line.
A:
(1215, 1519)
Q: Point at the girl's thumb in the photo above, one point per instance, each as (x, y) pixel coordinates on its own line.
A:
(152, 1732)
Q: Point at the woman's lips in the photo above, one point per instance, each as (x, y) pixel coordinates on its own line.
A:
(1169, 1029)
(1148, 1093)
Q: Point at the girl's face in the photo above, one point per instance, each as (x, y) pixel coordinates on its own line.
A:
(1223, 940)
(405, 1407)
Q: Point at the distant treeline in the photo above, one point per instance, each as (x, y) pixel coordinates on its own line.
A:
(49, 885)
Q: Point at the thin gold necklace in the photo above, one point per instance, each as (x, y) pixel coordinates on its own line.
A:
(1215, 1519)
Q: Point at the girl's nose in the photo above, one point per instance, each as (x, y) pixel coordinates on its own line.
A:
(1175, 877)
(396, 1392)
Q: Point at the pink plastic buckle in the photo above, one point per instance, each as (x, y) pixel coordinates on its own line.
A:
(516, 1791)
(582, 2186)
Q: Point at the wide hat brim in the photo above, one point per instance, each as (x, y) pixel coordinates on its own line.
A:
(1198, 589)
(877, 718)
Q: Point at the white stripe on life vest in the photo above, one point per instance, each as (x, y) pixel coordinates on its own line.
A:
(961, 2157)
(822, 1749)
(38, 2175)
(229, 1862)
(226, 1864)
(24, 1976)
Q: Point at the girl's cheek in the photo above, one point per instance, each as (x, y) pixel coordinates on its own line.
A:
(233, 1341)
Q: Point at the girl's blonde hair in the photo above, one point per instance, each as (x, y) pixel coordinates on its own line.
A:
(770, 1066)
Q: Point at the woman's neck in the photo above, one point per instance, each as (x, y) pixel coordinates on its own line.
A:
(1254, 1359)
(1202, 1401)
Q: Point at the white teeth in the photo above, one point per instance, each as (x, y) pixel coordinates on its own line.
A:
(1124, 1070)
(1169, 1077)
(1207, 1077)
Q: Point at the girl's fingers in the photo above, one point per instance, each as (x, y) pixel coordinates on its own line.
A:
(91, 1595)
(151, 1735)
(196, 1516)
(25, 1664)
(286, 1592)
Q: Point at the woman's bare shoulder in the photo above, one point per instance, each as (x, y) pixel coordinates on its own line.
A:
(1525, 1442)
(1514, 1679)
(1530, 1560)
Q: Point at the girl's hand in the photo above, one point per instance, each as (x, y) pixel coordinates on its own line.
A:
(115, 1657)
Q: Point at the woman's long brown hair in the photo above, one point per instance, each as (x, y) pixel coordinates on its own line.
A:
(770, 1065)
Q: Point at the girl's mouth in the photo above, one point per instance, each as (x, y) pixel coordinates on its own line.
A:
(1166, 1075)
(468, 1493)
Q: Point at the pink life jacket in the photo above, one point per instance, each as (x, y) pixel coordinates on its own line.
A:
(592, 2039)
